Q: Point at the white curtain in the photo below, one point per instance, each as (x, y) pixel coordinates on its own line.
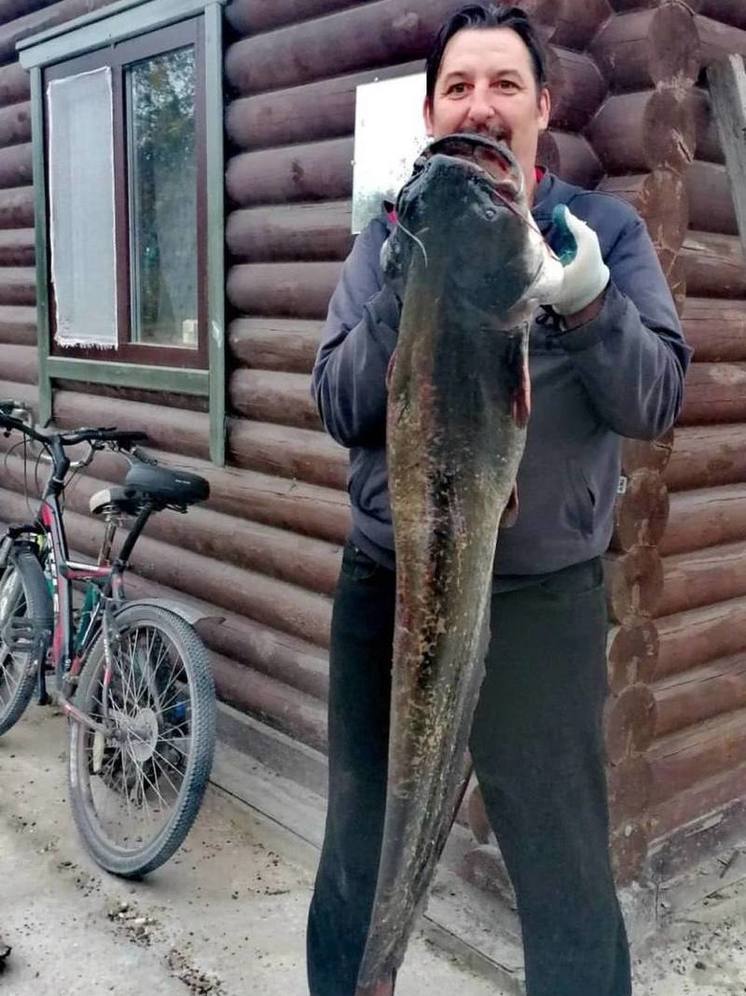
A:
(81, 198)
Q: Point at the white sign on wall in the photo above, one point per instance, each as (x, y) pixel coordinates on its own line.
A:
(389, 135)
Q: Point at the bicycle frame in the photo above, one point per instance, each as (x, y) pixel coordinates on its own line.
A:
(67, 658)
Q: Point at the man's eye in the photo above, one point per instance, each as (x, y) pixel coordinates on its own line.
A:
(457, 88)
(507, 85)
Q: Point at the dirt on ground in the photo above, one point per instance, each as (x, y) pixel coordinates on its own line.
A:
(226, 916)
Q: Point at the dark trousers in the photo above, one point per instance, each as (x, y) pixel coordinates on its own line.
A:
(537, 748)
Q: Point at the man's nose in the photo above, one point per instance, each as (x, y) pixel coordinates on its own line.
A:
(481, 106)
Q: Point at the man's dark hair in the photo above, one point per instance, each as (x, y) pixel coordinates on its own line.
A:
(489, 15)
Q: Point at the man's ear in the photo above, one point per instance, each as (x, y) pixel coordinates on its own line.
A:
(545, 108)
(427, 114)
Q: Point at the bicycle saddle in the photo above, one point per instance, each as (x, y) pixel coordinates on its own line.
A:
(165, 486)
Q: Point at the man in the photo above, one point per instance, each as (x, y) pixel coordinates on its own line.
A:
(607, 360)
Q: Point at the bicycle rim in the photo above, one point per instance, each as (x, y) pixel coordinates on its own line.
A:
(137, 790)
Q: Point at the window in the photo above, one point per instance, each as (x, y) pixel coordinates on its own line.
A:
(128, 166)
(125, 156)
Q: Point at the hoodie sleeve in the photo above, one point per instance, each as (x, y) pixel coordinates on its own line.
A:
(357, 342)
(632, 358)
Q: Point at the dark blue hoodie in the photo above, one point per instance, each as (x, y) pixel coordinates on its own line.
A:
(621, 374)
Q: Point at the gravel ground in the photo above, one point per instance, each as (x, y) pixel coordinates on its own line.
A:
(226, 915)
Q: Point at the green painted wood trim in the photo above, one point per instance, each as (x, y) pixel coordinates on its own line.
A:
(104, 26)
(213, 22)
(173, 379)
(41, 245)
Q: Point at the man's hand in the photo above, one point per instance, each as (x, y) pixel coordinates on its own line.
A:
(578, 279)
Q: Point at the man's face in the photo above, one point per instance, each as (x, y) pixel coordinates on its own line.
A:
(486, 85)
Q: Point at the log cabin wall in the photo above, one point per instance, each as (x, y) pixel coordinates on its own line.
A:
(627, 116)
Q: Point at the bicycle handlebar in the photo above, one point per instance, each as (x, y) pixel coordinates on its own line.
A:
(123, 438)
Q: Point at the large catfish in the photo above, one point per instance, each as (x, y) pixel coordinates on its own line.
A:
(467, 254)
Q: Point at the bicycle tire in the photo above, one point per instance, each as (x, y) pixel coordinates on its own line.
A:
(22, 584)
(134, 862)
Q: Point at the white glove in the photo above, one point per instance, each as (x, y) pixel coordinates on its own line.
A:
(572, 282)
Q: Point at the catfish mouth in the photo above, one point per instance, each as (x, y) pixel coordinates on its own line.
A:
(489, 159)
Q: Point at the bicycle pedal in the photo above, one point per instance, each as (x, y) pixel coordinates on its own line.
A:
(20, 635)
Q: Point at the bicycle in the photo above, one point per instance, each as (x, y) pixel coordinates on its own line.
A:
(133, 677)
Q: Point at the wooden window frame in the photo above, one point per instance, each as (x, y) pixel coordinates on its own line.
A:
(137, 29)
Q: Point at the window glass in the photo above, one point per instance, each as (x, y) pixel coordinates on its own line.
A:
(162, 167)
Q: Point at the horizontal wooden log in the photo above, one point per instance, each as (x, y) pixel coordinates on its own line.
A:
(578, 88)
(682, 759)
(642, 132)
(39, 20)
(685, 700)
(15, 166)
(266, 344)
(20, 363)
(717, 39)
(702, 799)
(293, 290)
(708, 147)
(649, 48)
(17, 283)
(17, 247)
(17, 208)
(290, 660)
(277, 604)
(703, 577)
(697, 637)
(309, 456)
(15, 84)
(570, 156)
(268, 396)
(640, 514)
(274, 703)
(375, 34)
(707, 456)
(307, 509)
(675, 274)
(714, 394)
(309, 563)
(247, 17)
(306, 113)
(572, 25)
(714, 265)
(15, 124)
(11, 9)
(291, 232)
(634, 582)
(629, 722)
(716, 329)
(640, 454)
(174, 430)
(317, 171)
(710, 200)
(25, 393)
(661, 199)
(629, 784)
(631, 654)
(18, 325)
(727, 11)
(705, 517)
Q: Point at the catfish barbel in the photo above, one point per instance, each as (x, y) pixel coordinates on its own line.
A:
(467, 254)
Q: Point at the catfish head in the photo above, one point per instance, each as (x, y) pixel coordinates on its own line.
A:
(464, 227)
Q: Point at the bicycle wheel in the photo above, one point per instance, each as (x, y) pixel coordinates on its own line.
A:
(135, 793)
(25, 627)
